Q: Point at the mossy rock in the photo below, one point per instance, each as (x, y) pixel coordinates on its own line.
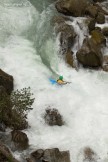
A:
(98, 37)
(90, 54)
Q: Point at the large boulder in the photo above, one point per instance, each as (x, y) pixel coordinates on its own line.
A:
(90, 54)
(98, 37)
(53, 117)
(71, 7)
(6, 81)
(49, 155)
(20, 140)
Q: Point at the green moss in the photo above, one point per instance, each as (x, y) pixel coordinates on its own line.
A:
(97, 37)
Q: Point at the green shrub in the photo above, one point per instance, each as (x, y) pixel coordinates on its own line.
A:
(14, 108)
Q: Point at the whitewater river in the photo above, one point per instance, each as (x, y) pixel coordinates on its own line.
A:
(29, 52)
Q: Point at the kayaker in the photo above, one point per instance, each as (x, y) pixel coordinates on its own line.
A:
(61, 81)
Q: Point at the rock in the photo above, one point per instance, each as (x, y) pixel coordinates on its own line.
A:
(37, 154)
(67, 37)
(57, 20)
(5, 107)
(51, 155)
(67, 33)
(69, 58)
(98, 37)
(98, 0)
(92, 11)
(20, 139)
(89, 154)
(5, 154)
(52, 117)
(29, 160)
(100, 9)
(6, 81)
(90, 54)
(90, 22)
(71, 7)
(100, 19)
(105, 31)
(2, 127)
(105, 63)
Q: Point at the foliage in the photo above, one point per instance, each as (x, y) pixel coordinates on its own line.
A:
(22, 101)
(14, 108)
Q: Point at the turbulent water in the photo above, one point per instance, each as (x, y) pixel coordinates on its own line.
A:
(29, 52)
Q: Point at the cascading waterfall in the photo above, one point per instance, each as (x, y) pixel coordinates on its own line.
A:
(28, 51)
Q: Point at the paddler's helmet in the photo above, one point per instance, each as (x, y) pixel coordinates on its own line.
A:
(61, 77)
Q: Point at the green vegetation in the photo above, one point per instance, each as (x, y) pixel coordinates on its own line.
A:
(14, 108)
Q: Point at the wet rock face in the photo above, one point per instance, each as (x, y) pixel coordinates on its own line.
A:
(3, 157)
(69, 58)
(5, 154)
(67, 33)
(71, 7)
(50, 155)
(90, 54)
(52, 117)
(67, 36)
(20, 140)
(6, 81)
(105, 63)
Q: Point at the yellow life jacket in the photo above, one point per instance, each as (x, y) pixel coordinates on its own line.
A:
(60, 81)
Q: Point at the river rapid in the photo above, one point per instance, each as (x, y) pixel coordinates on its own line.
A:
(29, 52)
